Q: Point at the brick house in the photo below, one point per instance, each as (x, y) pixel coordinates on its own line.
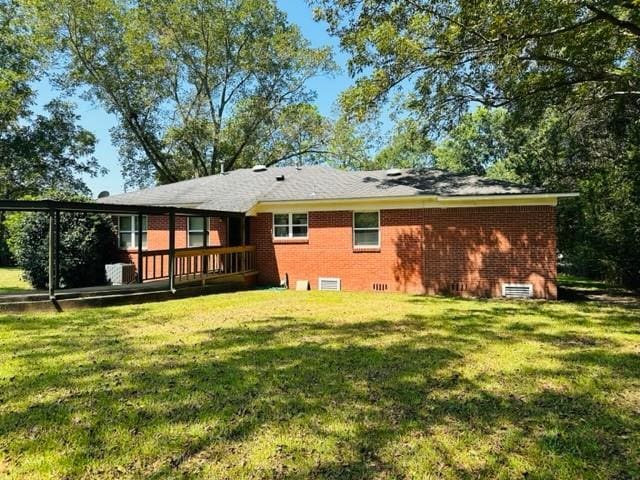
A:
(416, 231)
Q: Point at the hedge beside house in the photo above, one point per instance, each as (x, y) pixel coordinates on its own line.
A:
(87, 242)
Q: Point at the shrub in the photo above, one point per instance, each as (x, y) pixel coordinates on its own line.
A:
(87, 243)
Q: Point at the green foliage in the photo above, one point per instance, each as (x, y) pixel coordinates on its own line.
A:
(194, 84)
(351, 144)
(476, 144)
(408, 147)
(450, 55)
(46, 152)
(20, 56)
(87, 242)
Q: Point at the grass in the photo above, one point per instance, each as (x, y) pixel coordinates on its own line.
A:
(574, 281)
(11, 281)
(322, 385)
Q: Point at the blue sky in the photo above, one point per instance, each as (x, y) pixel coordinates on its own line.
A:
(96, 120)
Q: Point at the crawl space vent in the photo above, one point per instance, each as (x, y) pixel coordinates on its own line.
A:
(380, 287)
(330, 284)
(517, 290)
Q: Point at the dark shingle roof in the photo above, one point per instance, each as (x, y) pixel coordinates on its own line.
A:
(239, 190)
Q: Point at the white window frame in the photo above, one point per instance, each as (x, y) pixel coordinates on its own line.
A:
(205, 239)
(290, 226)
(134, 232)
(364, 229)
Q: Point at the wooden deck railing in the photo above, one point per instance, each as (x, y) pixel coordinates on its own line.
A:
(199, 263)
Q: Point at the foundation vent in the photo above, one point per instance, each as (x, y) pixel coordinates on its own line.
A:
(458, 287)
(329, 284)
(517, 290)
(380, 287)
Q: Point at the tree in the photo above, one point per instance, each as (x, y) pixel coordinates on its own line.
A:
(44, 152)
(408, 147)
(450, 55)
(20, 56)
(595, 152)
(87, 242)
(477, 145)
(197, 85)
(37, 152)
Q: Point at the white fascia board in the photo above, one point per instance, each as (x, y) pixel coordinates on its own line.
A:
(413, 201)
(501, 197)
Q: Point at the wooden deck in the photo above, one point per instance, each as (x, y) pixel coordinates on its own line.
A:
(152, 291)
(195, 271)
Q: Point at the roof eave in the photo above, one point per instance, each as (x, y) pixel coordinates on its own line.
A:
(508, 195)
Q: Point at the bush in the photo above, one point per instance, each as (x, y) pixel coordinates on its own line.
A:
(87, 242)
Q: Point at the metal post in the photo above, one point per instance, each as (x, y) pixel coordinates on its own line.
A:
(205, 225)
(139, 234)
(57, 249)
(243, 228)
(205, 244)
(172, 251)
(52, 255)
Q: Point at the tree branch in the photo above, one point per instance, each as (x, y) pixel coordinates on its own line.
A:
(609, 17)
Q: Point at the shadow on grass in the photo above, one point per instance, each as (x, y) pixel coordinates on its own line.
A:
(305, 375)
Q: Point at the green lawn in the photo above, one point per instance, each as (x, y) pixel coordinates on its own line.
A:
(11, 281)
(573, 281)
(321, 385)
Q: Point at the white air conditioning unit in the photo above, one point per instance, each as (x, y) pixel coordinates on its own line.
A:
(330, 284)
(120, 273)
(517, 290)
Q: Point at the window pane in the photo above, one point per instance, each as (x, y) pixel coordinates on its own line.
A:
(366, 220)
(196, 239)
(366, 238)
(125, 240)
(281, 231)
(196, 224)
(299, 231)
(299, 219)
(144, 240)
(281, 219)
(124, 224)
(145, 223)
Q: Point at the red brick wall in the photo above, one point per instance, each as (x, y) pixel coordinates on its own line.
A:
(158, 239)
(467, 251)
(328, 252)
(474, 250)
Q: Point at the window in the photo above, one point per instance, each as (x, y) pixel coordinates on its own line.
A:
(366, 229)
(196, 232)
(128, 231)
(290, 225)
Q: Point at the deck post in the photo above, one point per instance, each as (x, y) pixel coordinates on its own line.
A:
(139, 238)
(172, 251)
(52, 255)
